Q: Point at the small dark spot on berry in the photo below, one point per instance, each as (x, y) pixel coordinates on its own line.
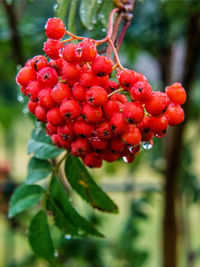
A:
(91, 99)
(126, 84)
(146, 130)
(68, 115)
(82, 135)
(113, 127)
(140, 89)
(130, 120)
(101, 74)
(46, 76)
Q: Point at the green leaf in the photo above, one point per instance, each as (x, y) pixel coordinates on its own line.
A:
(39, 237)
(62, 7)
(24, 197)
(37, 170)
(66, 217)
(104, 13)
(80, 179)
(88, 12)
(41, 145)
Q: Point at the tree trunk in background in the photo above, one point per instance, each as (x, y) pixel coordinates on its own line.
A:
(174, 144)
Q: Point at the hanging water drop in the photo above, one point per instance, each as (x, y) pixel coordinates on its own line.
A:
(68, 237)
(25, 110)
(99, 2)
(147, 145)
(103, 29)
(55, 7)
(20, 98)
(56, 254)
(125, 159)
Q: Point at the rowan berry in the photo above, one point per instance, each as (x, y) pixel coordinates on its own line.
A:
(54, 117)
(157, 104)
(82, 128)
(80, 147)
(37, 63)
(70, 109)
(144, 127)
(25, 75)
(133, 112)
(86, 50)
(111, 86)
(132, 135)
(120, 99)
(64, 143)
(158, 125)
(101, 66)
(60, 92)
(68, 52)
(55, 28)
(110, 108)
(176, 93)
(88, 78)
(98, 143)
(56, 140)
(92, 114)
(118, 124)
(175, 114)
(57, 65)
(104, 130)
(141, 92)
(52, 48)
(96, 96)
(45, 98)
(79, 91)
(66, 132)
(47, 77)
(32, 90)
(116, 144)
(32, 106)
(71, 72)
(92, 160)
(40, 113)
(50, 129)
(127, 78)
(108, 156)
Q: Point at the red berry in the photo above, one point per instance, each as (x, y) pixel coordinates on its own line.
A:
(110, 108)
(120, 99)
(52, 48)
(157, 104)
(92, 160)
(97, 143)
(96, 96)
(40, 113)
(144, 127)
(82, 128)
(101, 66)
(158, 125)
(111, 86)
(133, 112)
(66, 132)
(86, 50)
(79, 91)
(32, 106)
(25, 75)
(33, 89)
(69, 52)
(92, 114)
(88, 78)
(50, 129)
(56, 140)
(45, 99)
(70, 109)
(109, 156)
(118, 124)
(57, 65)
(176, 93)
(71, 72)
(37, 63)
(104, 130)
(47, 77)
(175, 114)
(80, 147)
(54, 117)
(127, 78)
(116, 144)
(132, 136)
(60, 92)
(141, 92)
(55, 28)
(64, 143)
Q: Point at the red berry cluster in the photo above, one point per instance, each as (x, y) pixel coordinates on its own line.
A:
(94, 116)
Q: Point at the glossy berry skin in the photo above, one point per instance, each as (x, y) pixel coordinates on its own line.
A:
(40, 113)
(104, 130)
(86, 50)
(92, 160)
(47, 77)
(88, 78)
(110, 108)
(96, 96)
(50, 129)
(25, 75)
(127, 78)
(54, 117)
(80, 147)
(69, 52)
(37, 63)
(71, 72)
(32, 106)
(120, 99)
(175, 114)
(132, 136)
(176, 93)
(159, 124)
(157, 104)
(66, 132)
(70, 109)
(144, 127)
(55, 28)
(108, 156)
(64, 143)
(116, 145)
(32, 90)
(141, 92)
(118, 124)
(82, 128)
(92, 114)
(98, 143)
(101, 66)
(45, 99)
(79, 91)
(57, 64)
(52, 48)
(133, 112)
(60, 92)
(111, 86)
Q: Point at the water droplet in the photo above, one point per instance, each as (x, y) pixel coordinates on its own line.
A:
(25, 110)
(68, 237)
(82, 12)
(20, 98)
(99, 2)
(147, 145)
(131, 149)
(94, 21)
(55, 7)
(90, 27)
(56, 254)
(103, 29)
(125, 159)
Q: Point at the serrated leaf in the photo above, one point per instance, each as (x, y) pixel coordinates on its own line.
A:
(41, 145)
(66, 217)
(81, 181)
(62, 7)
(39, 237)
(88, 10)
(24, 197)
(104, 13)
(37, 170)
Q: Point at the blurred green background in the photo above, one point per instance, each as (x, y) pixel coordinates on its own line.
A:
(158, 194)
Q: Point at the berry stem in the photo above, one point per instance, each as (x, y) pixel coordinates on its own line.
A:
(115, 92)
(116, 54)
(68, 40)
